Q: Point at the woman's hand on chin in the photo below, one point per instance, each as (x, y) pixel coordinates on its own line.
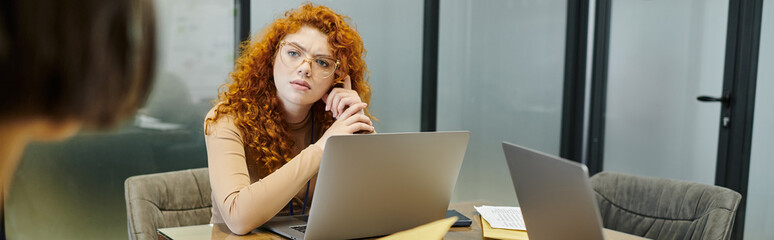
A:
(349, 122)
(339, 99)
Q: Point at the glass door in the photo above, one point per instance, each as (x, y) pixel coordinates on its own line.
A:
(653, 60)
(662, 54)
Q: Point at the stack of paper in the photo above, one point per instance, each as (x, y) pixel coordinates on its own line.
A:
(502, 223)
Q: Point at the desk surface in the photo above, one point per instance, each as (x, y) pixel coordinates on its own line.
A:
(220, 231)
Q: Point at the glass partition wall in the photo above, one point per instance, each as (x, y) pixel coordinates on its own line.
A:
(760, 193)
(500, 77)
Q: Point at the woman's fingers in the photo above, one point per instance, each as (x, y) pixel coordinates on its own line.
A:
(339, 99)
(358, 118)
(328, 98)
(358, 123)
(359, 126)
(352, 110)
(333, 99)
(347, 82)
(347, 101)
(335, 102)
(347, 88)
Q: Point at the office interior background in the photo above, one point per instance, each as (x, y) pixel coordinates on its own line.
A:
(610, 83)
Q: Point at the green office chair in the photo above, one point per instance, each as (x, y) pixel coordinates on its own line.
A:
(663, 208)
(171, 199)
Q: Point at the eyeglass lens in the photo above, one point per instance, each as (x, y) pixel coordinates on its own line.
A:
(292, 56)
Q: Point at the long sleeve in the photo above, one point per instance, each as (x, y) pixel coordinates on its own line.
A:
(243, 205)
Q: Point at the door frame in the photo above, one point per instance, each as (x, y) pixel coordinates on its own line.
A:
(739, 78)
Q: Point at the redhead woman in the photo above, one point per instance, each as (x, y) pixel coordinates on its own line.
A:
(302, 81)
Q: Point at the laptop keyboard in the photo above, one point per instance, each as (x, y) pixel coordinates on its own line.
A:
(300, 228)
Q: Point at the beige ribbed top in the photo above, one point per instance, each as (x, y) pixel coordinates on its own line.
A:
(245, 195)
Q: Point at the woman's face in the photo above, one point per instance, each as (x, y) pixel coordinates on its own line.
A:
(301, 84)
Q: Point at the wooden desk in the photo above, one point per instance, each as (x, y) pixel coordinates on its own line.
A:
(220, 231)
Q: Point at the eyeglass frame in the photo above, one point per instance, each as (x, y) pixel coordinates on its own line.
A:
(306, 57)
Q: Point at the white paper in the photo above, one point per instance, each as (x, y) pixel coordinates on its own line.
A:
(503, 217)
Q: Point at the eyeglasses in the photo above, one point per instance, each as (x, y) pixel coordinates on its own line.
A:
(292, 56)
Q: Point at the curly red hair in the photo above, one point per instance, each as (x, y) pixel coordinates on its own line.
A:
(251, 98)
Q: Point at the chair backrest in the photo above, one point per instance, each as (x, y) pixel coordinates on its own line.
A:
(659, 208)
(171, 199)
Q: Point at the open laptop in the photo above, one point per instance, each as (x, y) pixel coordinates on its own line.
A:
(377, 184)
(554, 194)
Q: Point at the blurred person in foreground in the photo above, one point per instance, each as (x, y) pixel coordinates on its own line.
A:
(67, 66)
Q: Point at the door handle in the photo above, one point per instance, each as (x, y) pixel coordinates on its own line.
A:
(725, 99)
